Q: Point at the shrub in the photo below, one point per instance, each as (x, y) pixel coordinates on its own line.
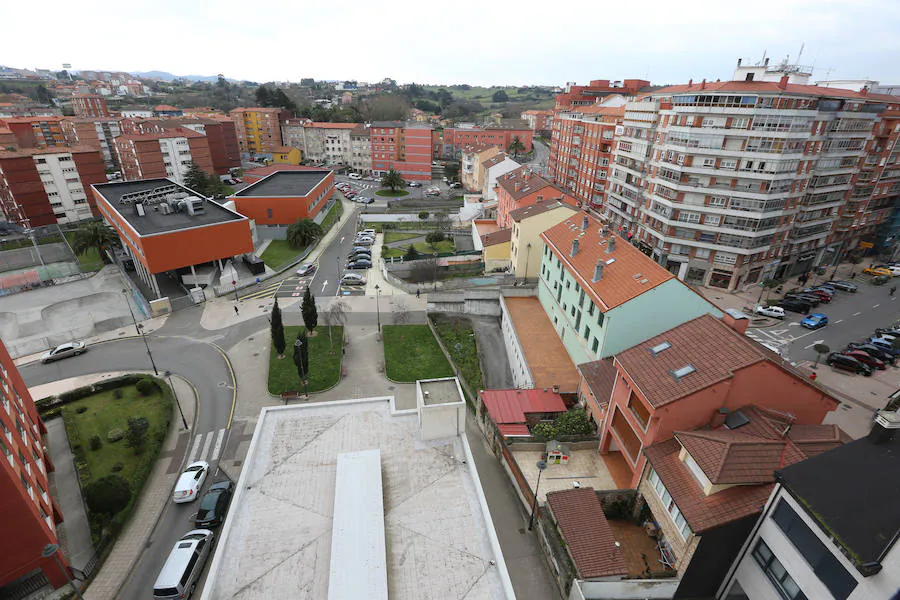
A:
(81, 410)
(117, 467)
(574, 422)
(114, 435)
(146, 386)
(423, 215)
(96, 444)
(545, 431)
(108, 495)
(411, 253)
(137, 432)
(434, 237)
(118, 393)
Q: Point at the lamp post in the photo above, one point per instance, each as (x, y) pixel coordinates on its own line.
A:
(234, 284)
(541, 465)
(168, 375)
(51, 550)
(458, 357)
(377, 307)
(298, 343)
(139, 330)
(527, 257)
(435, 270)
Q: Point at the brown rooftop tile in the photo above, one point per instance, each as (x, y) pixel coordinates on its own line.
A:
(600, 376)
(537, 208)
(587, 533)
(545, 354)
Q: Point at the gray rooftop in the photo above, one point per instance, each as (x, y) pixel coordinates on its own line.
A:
(276, 541)
(284, 183)
(440, 391)
(122, 195)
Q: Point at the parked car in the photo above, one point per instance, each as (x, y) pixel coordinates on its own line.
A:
(306, 269)
(214, 504)
(847, 363)
(350, 195)
(370, 232)
(866, 359)
(364, 241)
(776, 312)
(353, 279)
(365, 200)
(359, 264)
(63, 351)
(814, 321)
(190, 482)
(894, 331)
(359, 248)
(823, 295)
(797, 306)
(877, 271)
(845, 286)
(360, 256)
(414, 184)
(871, 350)
(894, 270)
(356, 176)
(883, 344)
(455, 185)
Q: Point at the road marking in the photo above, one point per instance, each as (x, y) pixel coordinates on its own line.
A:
(838, 321)
(342, 239)
(857, 314)
(813, 344)
(324, 283)
(218, 447)
(876, 306)
(194, 449)
(207, 444)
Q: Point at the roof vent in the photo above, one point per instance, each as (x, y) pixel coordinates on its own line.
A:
(574, 247)
(610, 261)
(645, 280)
(584, 223)
(683, 372)
(636, 276)
(659, 348)
(611, 246)
(598, 272)
(735, 420)
(140, 209)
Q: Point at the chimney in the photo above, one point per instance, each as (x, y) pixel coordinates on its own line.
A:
(886, 424)
(784, 81)
(718, 418)
(690, 82)
(611, 245)
(739, 62)
(574, 247)
(766, 63)
(584, 223)
(598, 271)
(703, 84)
(517, 186)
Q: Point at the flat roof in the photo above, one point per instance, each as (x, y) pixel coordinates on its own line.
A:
(154, 221)
(277, 536)
(284, 183)
(440, 391)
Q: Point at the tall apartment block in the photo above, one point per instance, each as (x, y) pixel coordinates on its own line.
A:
(36, 132)
(221, 136)
(47, 186)
(733, 182)
(587, 95)
(30, 516)
(165, 154)
(90, 106)
(454, 139)
(94, 132)
(327, 143)
(405, 147)
(361, 149)
(259, 130)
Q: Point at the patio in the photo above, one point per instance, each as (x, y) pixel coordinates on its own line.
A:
(637, 547)
(587, 467)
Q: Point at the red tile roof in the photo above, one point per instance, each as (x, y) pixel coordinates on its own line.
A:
(714, 349)
(587, 534)
(494, 160)
(173, 132)
(538, 208)
(627, 272)
(600, 376)
(771, 87)
(522, 182)
(496, 237)
(511, 406)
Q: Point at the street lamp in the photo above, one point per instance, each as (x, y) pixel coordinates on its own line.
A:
(458, 357)
(527, 256)
(435, 270)
(298, 343)
(234, 284)
(541, 465)
(168, 375)
(51, 550)
(139, 330)
(377, 307)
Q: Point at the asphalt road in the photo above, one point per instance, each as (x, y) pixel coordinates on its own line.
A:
(852, 317)
(330, 265)
(205, 367)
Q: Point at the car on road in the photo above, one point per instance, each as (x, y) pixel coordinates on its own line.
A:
(455, 185)
(359, 264)
(866, 359)
(306, 269)
(365, 200)
(877, 271)
(848, 363)
(350, 195)
(214, 504)
(353, 279)
(814, 321)
(356, 176)
(895, 270)
(797, 306)
(179, 576)
(871, 350)
(63, 351)
(190, 482)
(823, 295)
(776, 312)
(414, 184)
(844, 286)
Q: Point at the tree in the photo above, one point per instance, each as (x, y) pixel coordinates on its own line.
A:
(309, 311)
(434, 237)
(500, 96)
(335, 316)
(301, 356)
(545, 431)
(277, 329)
(423, 215)
(516, 146)
(43, 95)
(137, 433)
(196, 179)
(392, 179)
(108, 495)
(451, 170)
(95, 234)
(411, 253)
(263, 96)
(574, 422)
(428, 106)
(303, 233)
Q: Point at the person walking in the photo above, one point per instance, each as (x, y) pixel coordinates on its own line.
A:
(417, 292)
(893, 290)
(236, 312)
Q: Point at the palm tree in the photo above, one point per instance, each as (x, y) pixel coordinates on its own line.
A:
(392, 179)
(516, 146)
(303, 233)
(95, 234)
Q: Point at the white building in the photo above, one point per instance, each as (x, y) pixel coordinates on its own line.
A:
(361, 150)
(328, 143)
(62, 183)
(830, 527)
(495, 167)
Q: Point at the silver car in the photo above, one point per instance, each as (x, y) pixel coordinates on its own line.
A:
(64, 351)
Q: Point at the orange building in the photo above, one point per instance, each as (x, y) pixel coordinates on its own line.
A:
(259, 130)
(540, 121)
(30, 516)
(689, 376)
(285, 197)
(90, 106)
(403, 147)
(221, 136)
(165, 227)
(94, 132)
(36, 132)
(457, 138)
(165, 154)
(523, 187)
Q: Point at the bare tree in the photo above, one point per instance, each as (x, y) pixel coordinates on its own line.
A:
(400, 312)
(335, 315)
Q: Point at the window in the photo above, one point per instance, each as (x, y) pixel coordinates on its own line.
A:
(728, 163)
(595, 345)
(712, 220)
(663, 494)
(695, 470)
(701, 253)
(718, 201)
(776, 572)
(269, 213)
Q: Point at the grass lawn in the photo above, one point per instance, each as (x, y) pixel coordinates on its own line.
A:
(337, 209)
(90, 260)
(411, 353)
(392, 194)
(391, 237)
(459, 331)
(324, 368)
(423, 248)
(280, 253)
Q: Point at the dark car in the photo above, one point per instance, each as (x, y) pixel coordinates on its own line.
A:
(797, 306)
(810, 298)
(360, 263)
(884, 344)
(866, 359)
(894, 331)
(214, 504)
(844, 286)
(821, 294)
(848, 363)
(874, 351)
(359, 255)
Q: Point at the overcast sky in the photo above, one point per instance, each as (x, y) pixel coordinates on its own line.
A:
(480, 42)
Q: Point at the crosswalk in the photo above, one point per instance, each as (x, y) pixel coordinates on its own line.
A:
(293, 287)
(207, 446)
(267, 291)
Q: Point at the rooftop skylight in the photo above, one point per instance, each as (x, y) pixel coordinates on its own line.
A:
(659, 348)
(683, 372)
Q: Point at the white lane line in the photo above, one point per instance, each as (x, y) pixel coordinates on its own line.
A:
(857, 314)
(193, 455)
(838, 321)
(218, 447)
(207, 444)
(876, 306)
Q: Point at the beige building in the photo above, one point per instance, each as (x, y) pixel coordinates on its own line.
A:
(328, 143)
(360, 150)
(471, 172)
(528, 224)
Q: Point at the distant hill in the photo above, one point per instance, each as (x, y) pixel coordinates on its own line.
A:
(166, 76)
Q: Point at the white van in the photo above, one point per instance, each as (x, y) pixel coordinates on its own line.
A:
(355, 176)
(182, 570)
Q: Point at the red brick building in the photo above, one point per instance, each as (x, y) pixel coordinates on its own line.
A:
(90, 106)
(540, 121)
(457, 138)
(284, 197)
(523, 187)
(221, 136)
(585, 95)
(405, 147)
(36, 132)
(93, 132)
(259, 130)
(30, 516)
(164, 154)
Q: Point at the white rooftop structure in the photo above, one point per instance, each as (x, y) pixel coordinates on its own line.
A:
(287, 528)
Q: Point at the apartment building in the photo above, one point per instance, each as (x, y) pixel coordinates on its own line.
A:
(258, 130)
(220, 132)
(727, 183)
(327, 143)
(90, 106)
(455, 139)
(523, 187)
(405, 147)
(95, 132)
(30, 516)
(37, 132)
(490, 171)
(472, 172)
(360, 149)
(540, 121)
(581, 150)
(165, 154)
(596, 91)
(528, 224)
(47, 186)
